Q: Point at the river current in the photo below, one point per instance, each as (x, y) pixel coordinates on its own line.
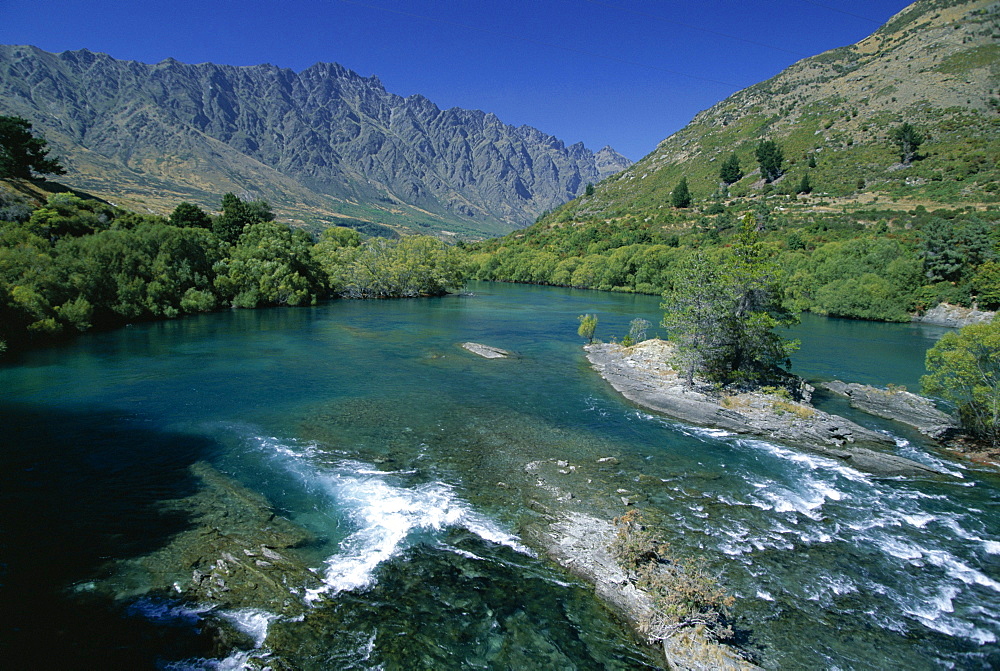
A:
(414, 468)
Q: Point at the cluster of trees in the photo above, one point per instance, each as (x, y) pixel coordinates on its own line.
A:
(75, 263)
(846, 266)
(905, 139)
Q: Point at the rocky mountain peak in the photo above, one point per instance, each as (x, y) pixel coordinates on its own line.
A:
(318, 143)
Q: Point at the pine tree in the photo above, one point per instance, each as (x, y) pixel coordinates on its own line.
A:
(21, 153)
(730, 172)
(805, 186)
(907, 139)
(770, 157)
(681, 196)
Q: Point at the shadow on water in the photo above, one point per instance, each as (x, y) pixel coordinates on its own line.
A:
(77, 490)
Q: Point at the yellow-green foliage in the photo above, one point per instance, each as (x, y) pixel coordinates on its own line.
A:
(964, 368)
(417, 265)
(682, 590)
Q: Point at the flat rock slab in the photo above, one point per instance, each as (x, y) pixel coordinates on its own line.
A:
(642, 374)
(486, 351)
(896, 404)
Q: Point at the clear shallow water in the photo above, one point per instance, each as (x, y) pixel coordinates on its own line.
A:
(406, 458)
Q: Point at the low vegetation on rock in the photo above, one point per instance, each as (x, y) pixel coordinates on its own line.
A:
(683, 592)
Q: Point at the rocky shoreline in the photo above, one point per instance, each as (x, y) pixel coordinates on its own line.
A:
(897, 404)
(954, 316)
(641, 374)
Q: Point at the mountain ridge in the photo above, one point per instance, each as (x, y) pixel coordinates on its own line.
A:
(319, 144)
(935, 64)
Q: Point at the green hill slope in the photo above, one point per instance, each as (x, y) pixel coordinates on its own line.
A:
(935, 65)
(874, 238)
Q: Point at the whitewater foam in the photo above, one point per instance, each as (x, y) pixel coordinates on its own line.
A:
(385, 515)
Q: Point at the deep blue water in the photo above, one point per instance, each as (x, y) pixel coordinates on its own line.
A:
(410, 461)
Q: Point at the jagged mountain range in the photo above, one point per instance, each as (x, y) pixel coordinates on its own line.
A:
(322, 145)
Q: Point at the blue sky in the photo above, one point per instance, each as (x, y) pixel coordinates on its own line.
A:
(622, 72)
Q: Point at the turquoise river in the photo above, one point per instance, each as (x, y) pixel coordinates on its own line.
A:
(412, 468)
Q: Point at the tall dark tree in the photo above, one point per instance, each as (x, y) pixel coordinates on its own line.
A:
(805, 186)
(187, 215)
(681, 195)
(237, 214)
(730, 172)
(907, 139)
(21, 153)
(770, 157)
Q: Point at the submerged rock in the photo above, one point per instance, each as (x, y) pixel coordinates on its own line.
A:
(486, 351)
(642, 374)
(236, 555)
(897, 404)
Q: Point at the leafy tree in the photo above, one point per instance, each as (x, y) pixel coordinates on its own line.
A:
(27, 281)
(270, 265)
(770, 157)
(907, 139)
(21, 153)
(722, 315)
(237, 215)
(588, 324)
(681, 195)
(187, 215)
(636, 332)
(417, 265)
(987, 285)
(730, 172)
(964, 368)
(140, 273)
(67, 215)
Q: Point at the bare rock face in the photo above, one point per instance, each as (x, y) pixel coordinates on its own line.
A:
(897, 404)
(955, 316)
(643, 375)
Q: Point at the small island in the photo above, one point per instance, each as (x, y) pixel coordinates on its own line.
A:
(643, 375)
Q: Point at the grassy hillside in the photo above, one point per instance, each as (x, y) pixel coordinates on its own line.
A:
(936, 65)
(874, 238)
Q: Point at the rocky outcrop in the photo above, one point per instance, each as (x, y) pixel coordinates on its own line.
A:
(580, 543)
(486, 351)
(897, 404)
(642, 374)
(955, 316)
(309, 142)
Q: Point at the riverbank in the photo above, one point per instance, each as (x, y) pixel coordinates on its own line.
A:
(642, 375)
